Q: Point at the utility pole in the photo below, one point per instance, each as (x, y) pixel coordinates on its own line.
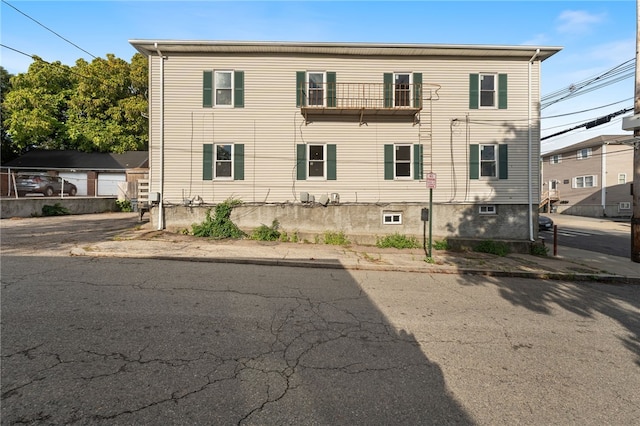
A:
(635, 219)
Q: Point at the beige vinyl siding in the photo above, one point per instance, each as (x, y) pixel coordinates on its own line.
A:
(270, 126)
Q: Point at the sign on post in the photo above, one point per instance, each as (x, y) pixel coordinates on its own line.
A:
(431, 181)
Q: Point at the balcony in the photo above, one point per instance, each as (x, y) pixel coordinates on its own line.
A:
(360, 99)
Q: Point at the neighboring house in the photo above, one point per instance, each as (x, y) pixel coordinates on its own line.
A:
(94, 174)
(343, 136)
(590, 178)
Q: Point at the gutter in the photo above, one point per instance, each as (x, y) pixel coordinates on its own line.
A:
(603, 178)
(161, 177)
(530, 142)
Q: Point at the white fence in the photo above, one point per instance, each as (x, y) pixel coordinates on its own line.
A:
(105, 185)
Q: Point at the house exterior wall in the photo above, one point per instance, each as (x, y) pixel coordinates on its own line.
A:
(605, 163)
(270, 126)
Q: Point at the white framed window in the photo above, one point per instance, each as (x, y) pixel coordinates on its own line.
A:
(403, 161)
(555, 159)
(622, 178)
(315, 89)
(223, 161)
(488, 91)
(223, 89)
(488, 209)
(624, 205)
(589, 181)
(488, 160)
(402, 89)
(392, 218)
(583, 153)
(317, 164)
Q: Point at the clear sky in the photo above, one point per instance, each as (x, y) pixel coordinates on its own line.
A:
(596, 37)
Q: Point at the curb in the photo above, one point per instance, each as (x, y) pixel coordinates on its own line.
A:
(326, 264)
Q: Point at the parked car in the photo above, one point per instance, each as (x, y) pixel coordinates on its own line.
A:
(43, 184)
(545, 223)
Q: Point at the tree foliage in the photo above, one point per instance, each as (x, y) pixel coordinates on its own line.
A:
(8, 151)
(96, 106)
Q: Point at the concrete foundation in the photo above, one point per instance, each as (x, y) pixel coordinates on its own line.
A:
(364, 223)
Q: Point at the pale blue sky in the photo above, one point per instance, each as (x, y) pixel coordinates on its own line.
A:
(596, 36)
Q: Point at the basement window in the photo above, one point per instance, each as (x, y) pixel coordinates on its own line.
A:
(392, 218)
(488, 209)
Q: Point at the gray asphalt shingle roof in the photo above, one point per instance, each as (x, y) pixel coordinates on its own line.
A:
(76, 160)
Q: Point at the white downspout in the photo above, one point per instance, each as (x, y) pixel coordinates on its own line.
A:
(603, 179)
(161, 175)
(529, 166)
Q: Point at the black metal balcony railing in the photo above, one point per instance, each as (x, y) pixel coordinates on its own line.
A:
(370, 96)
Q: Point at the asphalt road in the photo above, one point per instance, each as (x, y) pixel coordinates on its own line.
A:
(593, 234)
(127, 341)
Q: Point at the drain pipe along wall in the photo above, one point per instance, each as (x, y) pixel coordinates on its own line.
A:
(161, 175)
(530, 150)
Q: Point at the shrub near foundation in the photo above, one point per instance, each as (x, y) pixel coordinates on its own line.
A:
(267, 233)
(493, 247)
(220, 226)
(398, 241)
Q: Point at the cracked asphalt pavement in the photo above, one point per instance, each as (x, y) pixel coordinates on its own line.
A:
(142, 341)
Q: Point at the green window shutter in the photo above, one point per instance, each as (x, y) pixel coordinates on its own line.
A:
(388, 90)
(207, 89)
(238, 89)
(502, 91)
(207, 161)
(417, 162)
(417, 90)
(474, 161)
(301, 161)
(388, 162)
(331, 89)
(503, 162)
(300, 80)
(238, 161)
(331, 162)
(474, 91)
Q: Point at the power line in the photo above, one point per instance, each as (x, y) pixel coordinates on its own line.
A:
(48, 29)
(614, 75)
(37, 58)
(586, 110)
(593, 123)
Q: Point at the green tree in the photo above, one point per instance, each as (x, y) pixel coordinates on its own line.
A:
(8, 151)
(106, 112)
(35, 110)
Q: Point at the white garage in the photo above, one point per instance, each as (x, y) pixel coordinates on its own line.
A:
(78, 179)
(108, 184)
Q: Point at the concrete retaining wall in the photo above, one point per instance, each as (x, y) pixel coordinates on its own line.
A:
(363, 223)
(593, 210)
(32, 206)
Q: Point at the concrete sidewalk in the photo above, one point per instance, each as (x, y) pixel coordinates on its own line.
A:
(570, 264)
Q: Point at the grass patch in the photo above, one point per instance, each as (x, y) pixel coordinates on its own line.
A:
(398, 241)
(493, 247)
(124, 205)
(267, 233)
(56, 210)
(335, 238)
(538, 249)
(441, 245)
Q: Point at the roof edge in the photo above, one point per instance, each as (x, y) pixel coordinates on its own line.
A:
(152, 46)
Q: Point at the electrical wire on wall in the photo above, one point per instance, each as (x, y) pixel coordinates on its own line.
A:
(452, 123)
(295, 163)
(191, 159)
(255, 148)
(466, 153)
